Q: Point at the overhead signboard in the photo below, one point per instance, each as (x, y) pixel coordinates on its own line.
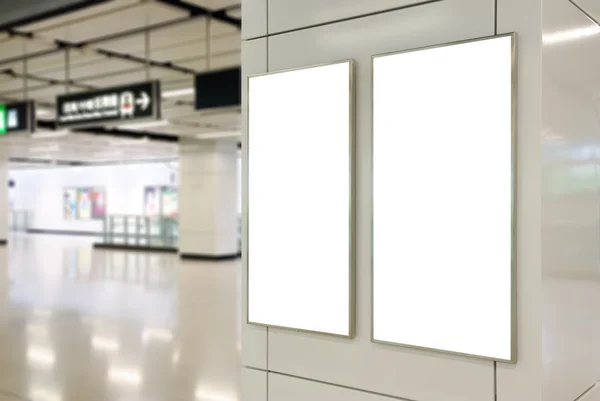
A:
(17, 117)
(221, 88)
(110, 105)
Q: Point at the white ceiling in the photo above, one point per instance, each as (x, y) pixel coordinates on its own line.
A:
(118, 26)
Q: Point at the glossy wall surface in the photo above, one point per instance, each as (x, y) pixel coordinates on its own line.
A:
(282, 365)
(571, 198)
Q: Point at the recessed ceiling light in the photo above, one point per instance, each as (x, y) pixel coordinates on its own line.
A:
(50, 134)
(219, 135)
(146, 124)
(178, 93)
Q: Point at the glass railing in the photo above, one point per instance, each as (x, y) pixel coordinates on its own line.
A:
(141, 231)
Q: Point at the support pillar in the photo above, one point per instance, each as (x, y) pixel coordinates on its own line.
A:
(3, 195)
(208, 218)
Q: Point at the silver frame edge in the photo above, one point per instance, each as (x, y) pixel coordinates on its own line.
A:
(352, 200)
(514, 108)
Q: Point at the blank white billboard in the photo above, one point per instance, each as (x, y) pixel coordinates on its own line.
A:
(299, 199)
(443, 198)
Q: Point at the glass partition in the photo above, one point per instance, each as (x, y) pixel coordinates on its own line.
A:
(141, 231)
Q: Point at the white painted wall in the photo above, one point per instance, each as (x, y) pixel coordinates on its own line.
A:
(309, 366)
(41, 191)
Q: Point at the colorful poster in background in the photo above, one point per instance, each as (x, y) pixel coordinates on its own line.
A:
(170, 205)
(98, 203)
(152, 201)
(70, 204)
(84, 204)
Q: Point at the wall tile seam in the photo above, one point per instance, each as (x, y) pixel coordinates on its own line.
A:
(329, 384)
(342, 20)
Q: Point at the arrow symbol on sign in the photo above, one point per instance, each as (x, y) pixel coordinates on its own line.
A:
(144, 101)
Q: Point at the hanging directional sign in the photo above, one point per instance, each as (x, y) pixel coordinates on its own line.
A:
(17, 117)
(110, 105)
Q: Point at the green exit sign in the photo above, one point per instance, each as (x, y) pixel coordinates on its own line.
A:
(17, 118)
(3, 122)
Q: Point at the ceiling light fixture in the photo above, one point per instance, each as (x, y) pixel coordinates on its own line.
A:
(43, 112)
(146, 124)
(50, 134)
(570, 35)
(44, 149)
(219, 135)
(178, 93)
(125, 142)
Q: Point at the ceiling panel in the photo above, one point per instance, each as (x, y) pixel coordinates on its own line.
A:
(16, 85)
(86, 13)
(17, 47)
(55, 62)
(183, 50)
(89, 148)
(126, 19)
(182, 43)
(217, 61)
(223, 117)
(192, 31)
(100, 66)
(130, 76)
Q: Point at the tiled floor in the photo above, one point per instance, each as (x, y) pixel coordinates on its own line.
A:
(83, 325)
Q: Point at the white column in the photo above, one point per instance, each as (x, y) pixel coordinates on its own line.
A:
(3, 195)
(208, 218)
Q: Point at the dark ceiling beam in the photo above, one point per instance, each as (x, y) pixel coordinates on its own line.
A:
(124, 133)
(141, 60)
(113, 132)
(14, 74)
(195, 10)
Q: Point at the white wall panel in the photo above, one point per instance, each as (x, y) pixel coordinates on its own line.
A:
(447, 21)
(416, 375)
(254, 338)
(41, 191)
(283, 388)
(254, 15)
(286, 15)
(411, 374)
(254, 385)
(570, 213)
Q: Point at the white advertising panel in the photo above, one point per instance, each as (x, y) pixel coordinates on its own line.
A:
(443, 198)
(299, 199)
